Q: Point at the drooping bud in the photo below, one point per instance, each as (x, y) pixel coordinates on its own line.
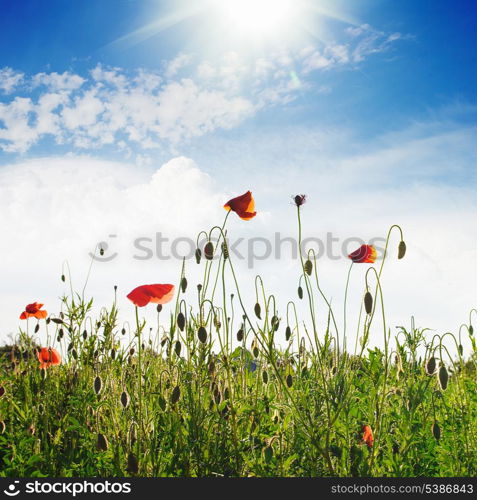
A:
(401, 249)
(443, 377)
(209, 250)
(240, 335)
(202, 334)
(125, 399)
(184, 284)
(308, 267)
(181, 321)
(258, 310)
(133, 464)
(300, 292)
(102, 443)
(177, 348)
(198, 255)
(98, 384)
(288, 333)
(368, 303)
(431, 366)
(299, 199)
(289, 380)
(436, 431)
(176, 394)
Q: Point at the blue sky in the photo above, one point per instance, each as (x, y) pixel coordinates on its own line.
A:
(370, 107)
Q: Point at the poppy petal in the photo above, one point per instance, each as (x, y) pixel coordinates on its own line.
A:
(158, 294)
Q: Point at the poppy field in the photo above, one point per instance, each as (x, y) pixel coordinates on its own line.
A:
(209, 391)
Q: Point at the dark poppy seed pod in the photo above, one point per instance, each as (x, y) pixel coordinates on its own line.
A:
(300, 292)
(131, 351)
(61, 333)
(368, 302)
(181, 321)
(177, 348)
(225, 250)
(289, 380)
(63, 278)
(265, 377)
(124, 399)
(113, 353)
(240, 335)
(2, 391)
(102, 443)
(176, 394)
(133, 464)
(98, 384)
(436, 431)
(255, 350)
(443, 377)
(85, 335)
(202, 334)
(198, 255)
(308, 267)
(209, 250)
(184, 284)
(74, 353)
(37, 327)
(401, 250)
(258, 310)
(159, 308)
(288, 333)
(431, 366)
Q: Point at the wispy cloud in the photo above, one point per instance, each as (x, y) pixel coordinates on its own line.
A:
(187, 98)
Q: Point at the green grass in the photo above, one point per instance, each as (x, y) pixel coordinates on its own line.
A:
(232, 401)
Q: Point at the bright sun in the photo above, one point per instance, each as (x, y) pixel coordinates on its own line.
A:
(259, 17)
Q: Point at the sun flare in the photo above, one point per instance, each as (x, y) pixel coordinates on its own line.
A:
(260, 18)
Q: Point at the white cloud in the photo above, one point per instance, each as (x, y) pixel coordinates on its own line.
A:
(179, 62)
(10, 79)
(56, 82)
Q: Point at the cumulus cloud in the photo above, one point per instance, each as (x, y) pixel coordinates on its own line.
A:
(9, 79)
(146, 109)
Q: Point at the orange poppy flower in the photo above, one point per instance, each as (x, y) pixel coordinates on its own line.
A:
(368, 438)
(365, 254)
(159, 294)
(47, 356)
(33, 311)
(243, 206)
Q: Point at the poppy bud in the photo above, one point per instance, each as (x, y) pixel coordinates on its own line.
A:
(289, 380)
(85, 335)
(368, 303)
(401, 250)
(198, 255)
(240, 335)
(63, 278)
(300, 292)
(37, 327)
(258, 310)
(209, 250)
(97, 385)
(125, 399)
(133, 465)
(275, 323)
(225, 251)
(436, 431)
(443, 377)
(183, 284)
(101, 251)
(461, 349)
(265, 377)
(211, 367)
(299, 199)
(181, 321)
(2, 391)
(471, 330)
(177, 348)
(102, 443)
(431, 366)
(288, 333)
(123, 331)
(308, 267)
(113, 354)
(202, 334)
(176, 394)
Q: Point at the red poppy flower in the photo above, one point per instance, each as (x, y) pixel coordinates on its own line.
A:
(33, 311)
(47, 357)
(159, 294)
(368, 438)
(365, 254)
(243, 206)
